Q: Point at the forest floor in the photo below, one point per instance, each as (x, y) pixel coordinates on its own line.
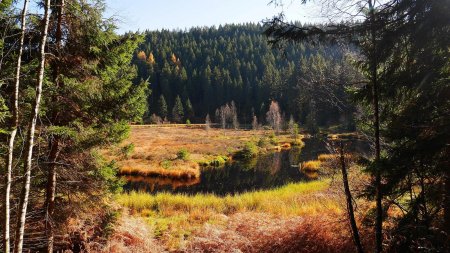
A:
(298, 217)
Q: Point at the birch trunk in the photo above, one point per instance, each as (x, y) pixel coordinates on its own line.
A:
(18, 242)
(14, 126)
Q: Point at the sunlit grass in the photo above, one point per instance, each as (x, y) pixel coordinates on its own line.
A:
(187, 172)
(292, 199)
(311, 165)
(327, 157)
(176, 216)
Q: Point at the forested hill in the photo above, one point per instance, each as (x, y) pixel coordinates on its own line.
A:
(208, 67)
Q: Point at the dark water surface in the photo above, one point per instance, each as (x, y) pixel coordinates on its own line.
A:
(263, 172)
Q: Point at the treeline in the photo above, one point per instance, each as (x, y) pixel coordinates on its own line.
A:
(205, 68)
(67, 90)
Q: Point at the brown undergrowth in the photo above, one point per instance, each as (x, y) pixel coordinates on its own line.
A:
(259, 232)
(132, 234)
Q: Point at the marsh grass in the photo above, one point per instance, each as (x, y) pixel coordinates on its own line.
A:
(176, 216)
(165, 171)
(292, 199)
(311, 166)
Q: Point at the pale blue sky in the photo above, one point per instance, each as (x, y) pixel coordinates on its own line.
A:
(179, 14)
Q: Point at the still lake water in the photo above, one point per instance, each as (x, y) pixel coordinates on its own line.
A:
(263, 172)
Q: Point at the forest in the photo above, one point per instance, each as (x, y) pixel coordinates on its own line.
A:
(276, 136)
(209, 67)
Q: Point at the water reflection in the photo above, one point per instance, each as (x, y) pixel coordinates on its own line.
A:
(263, 172)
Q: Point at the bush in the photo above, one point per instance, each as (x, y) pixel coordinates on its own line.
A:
(188, 122)
(126, 150)
(166, 164)
(273, 139)
(250, 150)
(154, 119)
(263, 142)
(183, 154)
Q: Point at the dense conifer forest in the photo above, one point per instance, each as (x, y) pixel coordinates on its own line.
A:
(207, 67)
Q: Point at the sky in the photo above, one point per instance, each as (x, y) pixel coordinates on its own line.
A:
(134, 15)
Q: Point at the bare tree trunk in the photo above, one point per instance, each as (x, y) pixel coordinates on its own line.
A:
(54, 142)
(376, 125)
(14, 126)
(348, 196)
(20, 229)
(51, 193)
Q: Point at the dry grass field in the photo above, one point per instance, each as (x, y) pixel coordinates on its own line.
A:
(176, 152)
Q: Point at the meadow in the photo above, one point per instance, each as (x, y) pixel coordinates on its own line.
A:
(302, 213)
(179, 151)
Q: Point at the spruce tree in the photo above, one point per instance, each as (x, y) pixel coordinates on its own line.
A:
(162, 107)
(177, 110)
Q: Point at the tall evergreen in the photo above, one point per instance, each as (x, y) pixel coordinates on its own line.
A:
(162, 107)
(178, 111)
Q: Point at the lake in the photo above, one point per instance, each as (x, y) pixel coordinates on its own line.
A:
(262, 172)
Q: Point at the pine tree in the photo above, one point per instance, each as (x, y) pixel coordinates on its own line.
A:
(178, 111)
(189, 109)
(162, 107)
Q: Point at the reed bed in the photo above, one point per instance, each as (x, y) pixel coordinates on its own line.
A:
(182, 173)
(292, 199)
(178, 218)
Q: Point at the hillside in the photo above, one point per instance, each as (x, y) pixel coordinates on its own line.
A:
(209, 67)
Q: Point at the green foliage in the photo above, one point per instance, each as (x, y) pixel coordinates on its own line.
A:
(107, 173)
(249, 151)
(263, 142)
(183, 154)
(188, 122)
(206, 70)
(162, 107)
(273, 139)
(166, 164)
(126, 150)
(178, 110)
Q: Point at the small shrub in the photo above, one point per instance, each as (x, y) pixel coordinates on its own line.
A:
(298, 143)
(154, 119)
(126, 150)
(166, 164)
(188, 122)
(250, 150)
(263, 142)
(183, 154)
(273, 139)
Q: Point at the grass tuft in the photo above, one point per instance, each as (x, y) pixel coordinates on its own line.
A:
(311, 165)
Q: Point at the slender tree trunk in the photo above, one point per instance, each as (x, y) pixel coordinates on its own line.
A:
(348, 196)
(376, 125)
(20, 229)
(54, 142)
(14, 126)
(51, 193)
